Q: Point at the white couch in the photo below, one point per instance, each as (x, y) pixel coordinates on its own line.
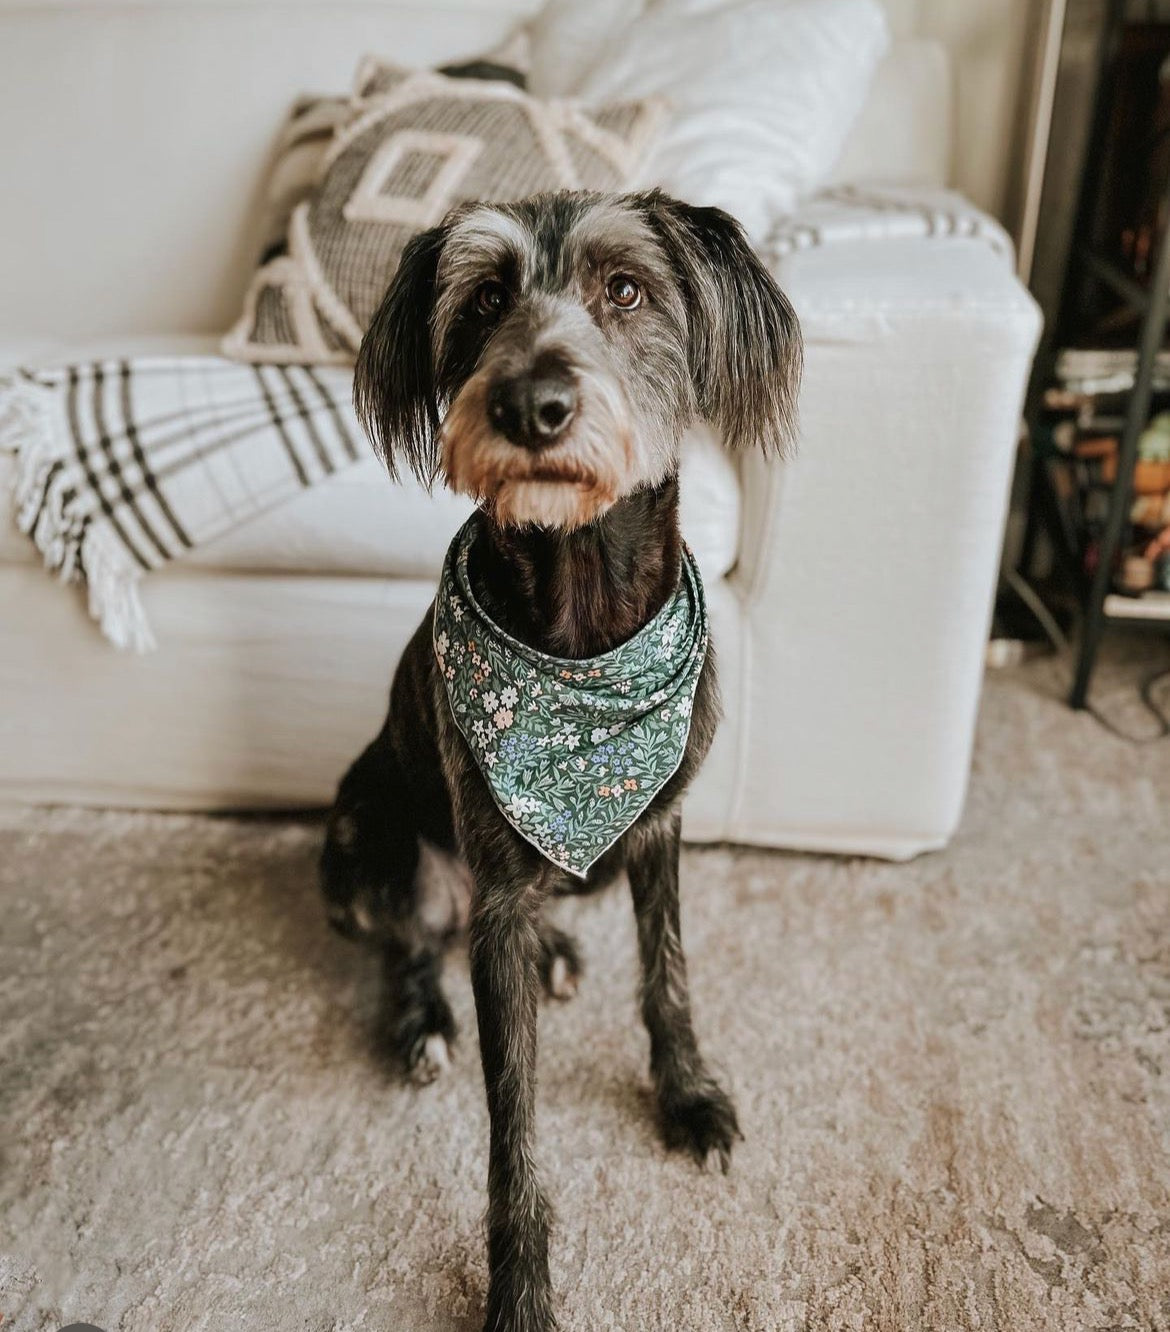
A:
(850, 590)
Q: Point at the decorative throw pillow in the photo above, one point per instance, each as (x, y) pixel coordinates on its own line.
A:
(313, 120)
(764, 92)
(420, 143)
(300, 151)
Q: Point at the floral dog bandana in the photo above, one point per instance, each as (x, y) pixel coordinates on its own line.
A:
(573, 751)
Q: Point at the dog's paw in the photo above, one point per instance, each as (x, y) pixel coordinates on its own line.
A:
(704, 1123)
(417, 1026)
(429, 1059)
(560, 963)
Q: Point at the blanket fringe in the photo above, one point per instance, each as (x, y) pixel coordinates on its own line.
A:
(75, 550)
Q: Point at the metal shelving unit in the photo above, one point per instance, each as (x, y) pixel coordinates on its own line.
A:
(1100, 605)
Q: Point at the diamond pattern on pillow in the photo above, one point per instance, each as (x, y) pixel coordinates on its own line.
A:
(408, 153)
(410, 177)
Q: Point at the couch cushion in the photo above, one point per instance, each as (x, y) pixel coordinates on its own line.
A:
(903, 135)
(360, 523)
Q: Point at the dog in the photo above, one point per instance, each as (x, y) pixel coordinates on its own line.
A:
(545, 358)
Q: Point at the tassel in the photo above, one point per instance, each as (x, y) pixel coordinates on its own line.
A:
(44, 488)
(113, 583)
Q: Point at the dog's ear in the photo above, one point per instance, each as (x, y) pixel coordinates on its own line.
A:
(395, 391)
(745, 348)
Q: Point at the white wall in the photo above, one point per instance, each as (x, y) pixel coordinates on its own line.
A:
(991, 43)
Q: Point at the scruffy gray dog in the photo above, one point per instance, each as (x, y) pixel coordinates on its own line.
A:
(545, 358)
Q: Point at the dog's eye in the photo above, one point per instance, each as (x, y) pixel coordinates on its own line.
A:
(623, 292)
(491, 297)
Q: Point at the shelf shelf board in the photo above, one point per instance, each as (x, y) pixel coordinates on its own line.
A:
(1153, 606)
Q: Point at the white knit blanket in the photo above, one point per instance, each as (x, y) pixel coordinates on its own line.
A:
(125, 465)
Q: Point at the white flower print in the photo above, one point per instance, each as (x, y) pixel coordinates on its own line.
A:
(509, 697)
(503, 718)
(490, 700)
(598, 734)
(442, 643)
(519, 805)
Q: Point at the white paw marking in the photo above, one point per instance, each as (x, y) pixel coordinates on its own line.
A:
(434, 1060)
(562, 984)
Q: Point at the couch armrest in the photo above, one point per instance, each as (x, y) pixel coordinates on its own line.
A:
(868, 564)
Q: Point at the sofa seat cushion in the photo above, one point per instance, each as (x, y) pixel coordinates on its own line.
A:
(358, 522)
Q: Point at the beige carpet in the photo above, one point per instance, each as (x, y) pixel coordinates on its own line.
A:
(954, 1077)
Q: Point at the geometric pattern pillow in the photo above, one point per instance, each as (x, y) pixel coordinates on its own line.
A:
(305, 137)
(417, 144)
(296, 165)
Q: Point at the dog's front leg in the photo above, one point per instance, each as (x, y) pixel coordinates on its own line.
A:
(505, 975)
(697, 1113)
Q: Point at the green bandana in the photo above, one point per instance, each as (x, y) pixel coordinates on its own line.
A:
(573, 751)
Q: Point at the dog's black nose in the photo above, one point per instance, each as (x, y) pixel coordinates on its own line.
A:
(532, 411)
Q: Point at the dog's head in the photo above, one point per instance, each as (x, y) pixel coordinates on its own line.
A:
(547, 355)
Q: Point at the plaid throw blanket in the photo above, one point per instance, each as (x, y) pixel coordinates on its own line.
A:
(883, 212)
(125, 465)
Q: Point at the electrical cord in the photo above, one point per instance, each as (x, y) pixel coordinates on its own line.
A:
(1056, 636)
(1146, 695)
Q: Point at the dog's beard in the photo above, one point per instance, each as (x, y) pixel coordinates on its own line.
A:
(566, 485)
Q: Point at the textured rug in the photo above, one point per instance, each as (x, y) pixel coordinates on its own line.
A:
(953, 1075)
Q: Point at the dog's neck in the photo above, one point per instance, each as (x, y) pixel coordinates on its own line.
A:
(582, 592)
